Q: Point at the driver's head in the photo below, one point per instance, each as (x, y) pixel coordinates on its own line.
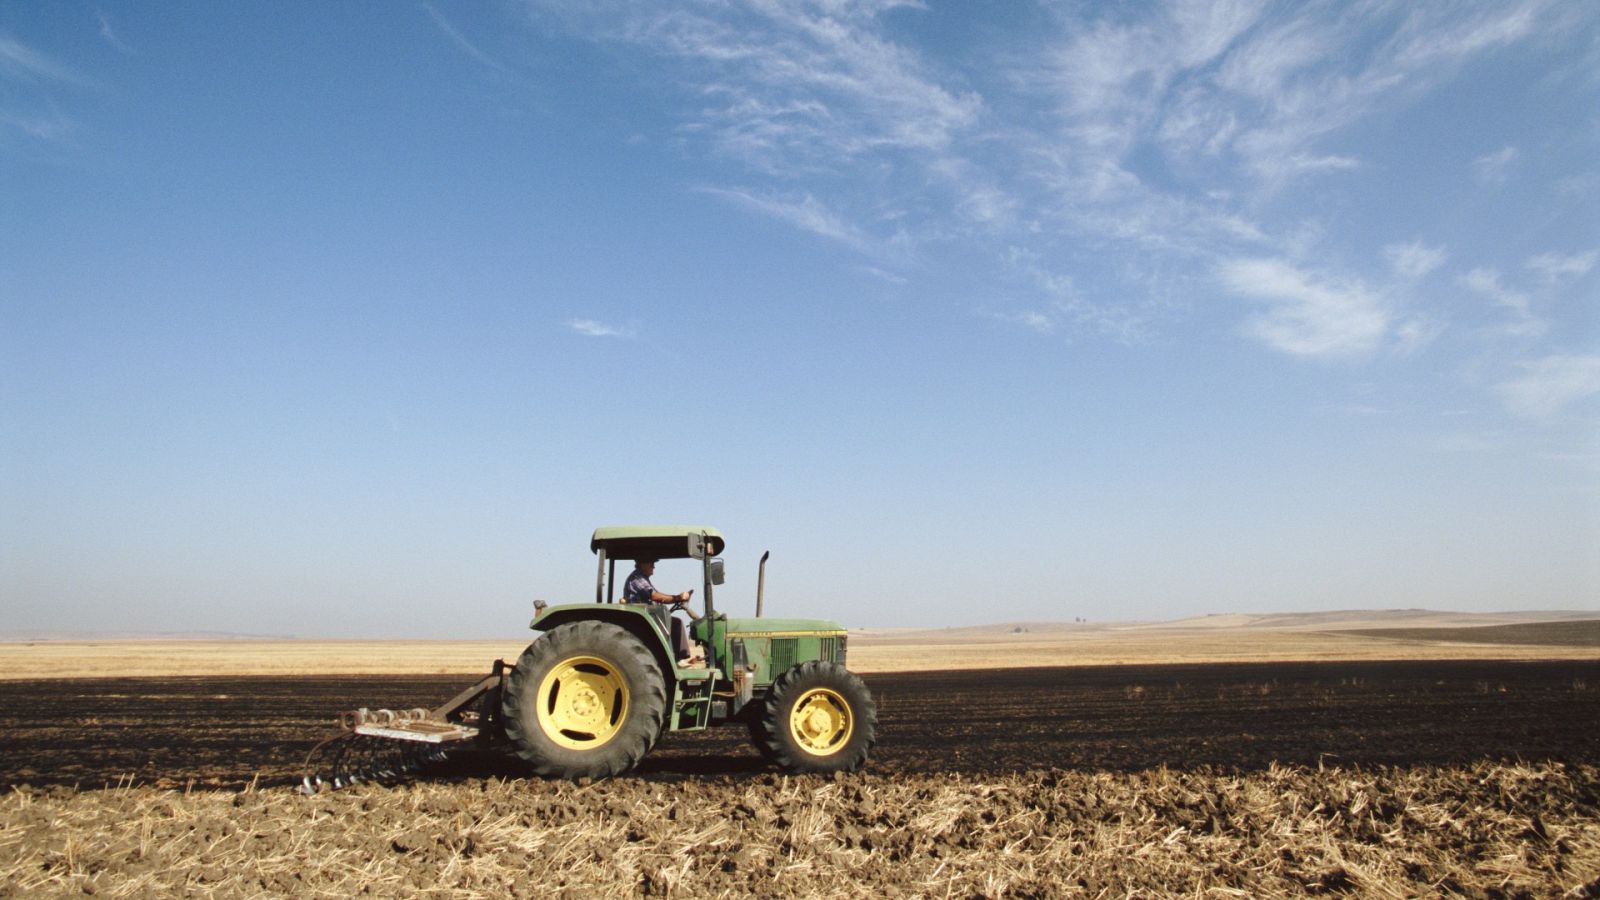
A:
(646, 566)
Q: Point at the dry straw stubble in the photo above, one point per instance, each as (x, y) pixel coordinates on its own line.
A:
(1485, 829)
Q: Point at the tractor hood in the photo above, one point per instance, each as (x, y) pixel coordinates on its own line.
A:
(770, 627)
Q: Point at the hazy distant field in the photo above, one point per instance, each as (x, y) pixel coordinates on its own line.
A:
(1343, 639)
(1303, 638)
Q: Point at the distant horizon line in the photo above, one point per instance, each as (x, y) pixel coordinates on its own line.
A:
(65, 635)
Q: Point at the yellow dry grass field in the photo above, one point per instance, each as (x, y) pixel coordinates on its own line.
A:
(961, 649)
(870, 651)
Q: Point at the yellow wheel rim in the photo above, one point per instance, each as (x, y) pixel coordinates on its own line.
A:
(820, 722)
(582, 702)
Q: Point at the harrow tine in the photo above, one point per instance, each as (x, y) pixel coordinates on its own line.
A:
(353, 759)
(387, 745)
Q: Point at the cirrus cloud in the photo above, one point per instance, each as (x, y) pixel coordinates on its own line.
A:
(595, 328)
(1307, 314)
(1414, 259)
(1554, 267)
(1549, 385)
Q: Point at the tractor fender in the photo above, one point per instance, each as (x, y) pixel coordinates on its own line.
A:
(636, 619)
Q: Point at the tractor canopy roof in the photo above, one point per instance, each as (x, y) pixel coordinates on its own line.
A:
(652, 541)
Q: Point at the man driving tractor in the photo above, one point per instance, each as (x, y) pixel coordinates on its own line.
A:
(638, 589)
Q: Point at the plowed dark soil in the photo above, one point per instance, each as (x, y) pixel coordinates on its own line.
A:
(228, 732)
(1584, 633)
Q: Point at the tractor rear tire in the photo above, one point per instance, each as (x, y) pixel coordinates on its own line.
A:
(586, 700)
(818, 717)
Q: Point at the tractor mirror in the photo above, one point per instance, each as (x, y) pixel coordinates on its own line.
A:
(697, 546)
(716, 571)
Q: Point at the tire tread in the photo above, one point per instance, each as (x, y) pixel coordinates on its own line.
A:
(766, 729)
(648, 698)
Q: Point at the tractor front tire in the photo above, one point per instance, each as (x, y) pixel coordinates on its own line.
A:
(586, 700)
(818, 717)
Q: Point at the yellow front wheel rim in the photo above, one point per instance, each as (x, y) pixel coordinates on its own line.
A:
(820, 722)
(583, 702)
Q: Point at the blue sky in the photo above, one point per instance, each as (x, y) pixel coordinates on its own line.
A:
(355, 319)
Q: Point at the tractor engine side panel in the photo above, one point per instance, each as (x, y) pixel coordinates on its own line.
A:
(773, 646)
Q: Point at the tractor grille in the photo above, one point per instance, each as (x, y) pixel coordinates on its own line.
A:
(833, 650)
(783, 650)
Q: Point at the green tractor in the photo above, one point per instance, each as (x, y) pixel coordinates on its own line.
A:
(593, 693)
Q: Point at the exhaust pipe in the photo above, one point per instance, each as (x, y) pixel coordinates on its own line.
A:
(761, 582)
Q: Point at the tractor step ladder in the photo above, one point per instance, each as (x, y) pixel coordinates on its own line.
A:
(691, 699)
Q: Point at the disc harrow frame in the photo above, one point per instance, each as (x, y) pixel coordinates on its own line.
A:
(387, 747)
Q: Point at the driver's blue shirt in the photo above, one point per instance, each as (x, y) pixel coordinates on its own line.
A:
(638, 588)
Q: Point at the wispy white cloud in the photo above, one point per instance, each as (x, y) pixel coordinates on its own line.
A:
(1581, 185)
(806, 213)
(793, 86)
(1288, 78)
(1237, 100)
(1031, 320)
(1486, 283)
(1414, 259)
(52, 126)
(1307, 314)
(20, 61)
(109, 34)
(976, 195)
(1158, 143)
(461, 42)
(1495, 168)
(1127, 320)
(27, 79)
(884, 275)
(1428, 43)
(1549, 385)
(1415, 332)
(594, 328)
(1305, 162)
(1554, 268)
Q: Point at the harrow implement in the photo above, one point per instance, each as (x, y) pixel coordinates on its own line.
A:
(385, 746)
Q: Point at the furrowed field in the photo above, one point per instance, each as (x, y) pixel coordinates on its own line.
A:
(1477, 778)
